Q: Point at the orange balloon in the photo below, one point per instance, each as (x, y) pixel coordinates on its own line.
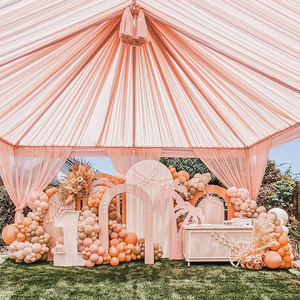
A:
(282, 265)
(113, 251)
(288, 265)
(114, 242)
(133, 256)
(114, 261)
(184, 174)
(121, 257)
(276, 246)
(281, 252)
(8, 234)
(283, 240)
(130, 247)
(287, 247)
(131, 238)
(272, 259)
(128, 258)
(288, 258)
(277, 235)
(120, 248)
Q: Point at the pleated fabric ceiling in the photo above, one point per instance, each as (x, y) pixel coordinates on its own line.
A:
(215, 74)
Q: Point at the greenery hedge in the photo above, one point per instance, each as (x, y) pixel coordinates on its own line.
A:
(7, 211)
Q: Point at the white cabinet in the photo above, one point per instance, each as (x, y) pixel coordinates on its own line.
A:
(204, 243)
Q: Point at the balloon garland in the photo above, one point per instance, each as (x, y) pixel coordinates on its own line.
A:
(243, 205)
(28, 240)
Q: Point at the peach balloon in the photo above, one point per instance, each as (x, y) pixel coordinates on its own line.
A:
(36, 203)
(8, 234)
(272, 259)
(114, 261)
(97, 242)
(276, 246)
(283, 240)
(101, 251)
(288, 265)
(184, 174)
(131, 238)
(44, 198)
(89, 263)
(114, 235)
(100, 260)
(94, 248)
(50, 192)
(21, 237)
(282, 265)
(288, 258)
(281, 252)
(113, 251)
(27, 221)
(114, 242)
(121, 257)
(87, 242)
(94, 257)
(128, 258)
(123, 233)
(120, 248)
(231, 191)
(118, 228)
(44, 205)
(130, 247)
(287, 247)
(244, 206)
(136, 250)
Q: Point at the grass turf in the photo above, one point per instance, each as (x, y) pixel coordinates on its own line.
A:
(163, 280)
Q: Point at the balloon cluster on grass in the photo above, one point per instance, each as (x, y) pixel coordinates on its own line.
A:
(27, 239)
(123, 246)
(271, 246)
(280, 253)
(243, 205)
(193, 185)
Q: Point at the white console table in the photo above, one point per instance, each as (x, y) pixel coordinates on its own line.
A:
(212, 243)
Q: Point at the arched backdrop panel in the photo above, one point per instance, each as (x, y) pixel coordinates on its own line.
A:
(148, 216)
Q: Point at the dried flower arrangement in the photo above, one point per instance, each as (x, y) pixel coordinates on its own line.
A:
(74, 186)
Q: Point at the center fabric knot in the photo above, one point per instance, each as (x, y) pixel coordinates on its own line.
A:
(133, 28)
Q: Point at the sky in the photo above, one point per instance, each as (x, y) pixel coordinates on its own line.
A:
(285, 156)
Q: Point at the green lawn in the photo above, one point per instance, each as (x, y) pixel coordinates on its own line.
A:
(163, 280)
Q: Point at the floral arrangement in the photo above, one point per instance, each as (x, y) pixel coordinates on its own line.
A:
(253, 261)
(73, 188)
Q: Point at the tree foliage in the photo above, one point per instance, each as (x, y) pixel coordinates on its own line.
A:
(277, 188)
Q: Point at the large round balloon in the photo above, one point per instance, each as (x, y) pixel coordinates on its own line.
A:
(282, 214)
(272, 259)
(8, 234)
(131, 238)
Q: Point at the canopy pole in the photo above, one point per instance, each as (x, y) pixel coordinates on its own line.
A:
(133, 92)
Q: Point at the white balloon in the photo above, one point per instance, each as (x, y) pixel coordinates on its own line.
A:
(285, 230)
(282, 214)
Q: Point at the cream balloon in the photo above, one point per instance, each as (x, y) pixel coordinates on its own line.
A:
(282, 214)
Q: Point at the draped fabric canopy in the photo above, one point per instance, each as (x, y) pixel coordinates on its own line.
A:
(218, 80)
(216, 74)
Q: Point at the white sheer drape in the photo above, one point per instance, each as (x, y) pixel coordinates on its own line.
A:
(25, 170)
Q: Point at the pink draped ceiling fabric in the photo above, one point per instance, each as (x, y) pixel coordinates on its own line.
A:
(26, 170)
(219, 79)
